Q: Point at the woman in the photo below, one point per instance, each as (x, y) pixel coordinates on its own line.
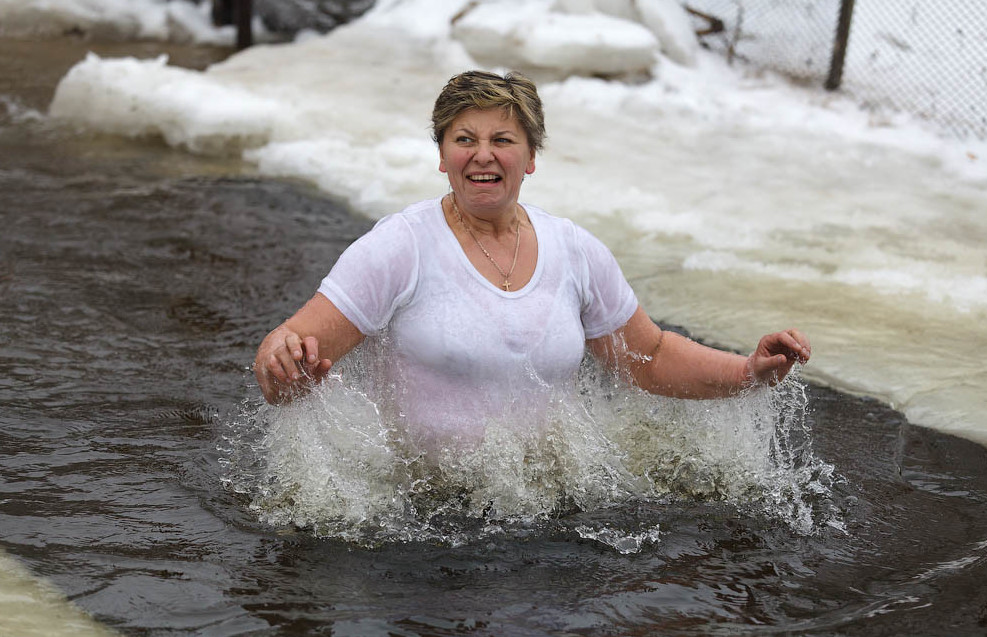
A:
(485, 300)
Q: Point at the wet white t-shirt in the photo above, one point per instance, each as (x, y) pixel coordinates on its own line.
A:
(461, 350)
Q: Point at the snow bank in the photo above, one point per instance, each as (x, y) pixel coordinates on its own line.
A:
(666, 19)
(531, 36)
(576, 37)
(148, 98)
(177, 20)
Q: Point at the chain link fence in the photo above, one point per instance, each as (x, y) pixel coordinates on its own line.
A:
(928, 59)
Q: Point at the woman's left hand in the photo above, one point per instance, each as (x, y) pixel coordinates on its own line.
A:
(776, 354)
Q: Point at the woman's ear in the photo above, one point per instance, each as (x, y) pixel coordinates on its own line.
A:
(442, 163)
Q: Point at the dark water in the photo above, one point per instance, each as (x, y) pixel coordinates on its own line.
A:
(132, 297)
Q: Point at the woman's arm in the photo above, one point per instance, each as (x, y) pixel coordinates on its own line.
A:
(667, 363)
(301, 351)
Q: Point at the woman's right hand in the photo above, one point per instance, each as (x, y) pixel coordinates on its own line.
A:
(287, 364)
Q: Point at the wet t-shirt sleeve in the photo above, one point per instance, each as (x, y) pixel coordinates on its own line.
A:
(608, 301)
(375, 275)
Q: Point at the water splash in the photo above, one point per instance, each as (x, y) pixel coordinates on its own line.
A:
(621, 541)
(340, 463)
(12, 110)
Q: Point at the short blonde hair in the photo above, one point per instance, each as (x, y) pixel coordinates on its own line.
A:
(513, 92)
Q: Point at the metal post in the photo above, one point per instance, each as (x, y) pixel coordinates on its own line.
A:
(222, 12)
(243, 12)
(840, 45)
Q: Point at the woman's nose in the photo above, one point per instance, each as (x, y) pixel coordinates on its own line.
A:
(484, 153)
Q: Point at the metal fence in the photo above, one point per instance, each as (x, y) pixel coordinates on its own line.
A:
(928, 59)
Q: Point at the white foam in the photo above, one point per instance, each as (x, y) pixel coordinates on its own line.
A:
(15, 110)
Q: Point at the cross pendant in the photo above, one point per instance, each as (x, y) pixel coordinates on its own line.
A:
(506, 285)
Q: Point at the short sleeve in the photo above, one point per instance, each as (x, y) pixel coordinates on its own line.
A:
(608, 301)
(375, 275)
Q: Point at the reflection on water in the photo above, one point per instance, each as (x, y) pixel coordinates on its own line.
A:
(130, 306)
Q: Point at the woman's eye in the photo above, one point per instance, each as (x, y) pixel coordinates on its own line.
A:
(463, 139)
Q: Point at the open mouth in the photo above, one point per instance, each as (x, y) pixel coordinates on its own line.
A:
(484, 179)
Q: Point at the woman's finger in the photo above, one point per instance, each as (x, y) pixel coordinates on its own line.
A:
(801, 340)
(288, 365)
(310, 347)
(275, 367)
(792, 343)
(320, 369)
(293, 344)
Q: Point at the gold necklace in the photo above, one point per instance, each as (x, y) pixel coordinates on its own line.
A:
(517, 244)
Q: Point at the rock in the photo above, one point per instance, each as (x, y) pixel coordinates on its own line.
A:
(292, 16)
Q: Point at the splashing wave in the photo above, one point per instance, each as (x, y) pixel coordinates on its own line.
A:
(340, 463)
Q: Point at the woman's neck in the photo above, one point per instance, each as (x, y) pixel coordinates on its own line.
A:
(494, 225)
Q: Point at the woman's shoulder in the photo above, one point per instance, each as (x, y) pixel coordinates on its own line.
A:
(548, 221)
(421, 211)
(561, 228)
(410, 219)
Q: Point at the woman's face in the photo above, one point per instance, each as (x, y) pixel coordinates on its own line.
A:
(486, 155)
